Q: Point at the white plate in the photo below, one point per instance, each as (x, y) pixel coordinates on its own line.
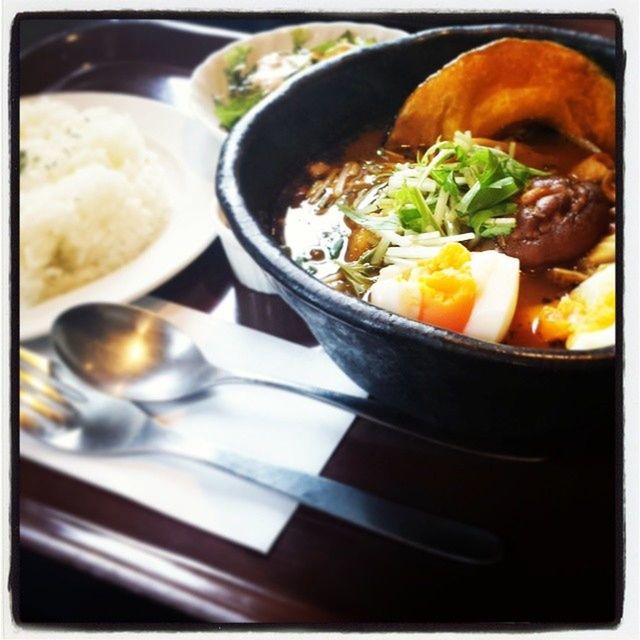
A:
(188, 153)
(208, 79)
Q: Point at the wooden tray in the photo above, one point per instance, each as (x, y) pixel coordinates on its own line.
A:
(560, 518)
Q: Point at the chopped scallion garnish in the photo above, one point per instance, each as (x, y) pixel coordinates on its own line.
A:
(362, 273)
(454, 186)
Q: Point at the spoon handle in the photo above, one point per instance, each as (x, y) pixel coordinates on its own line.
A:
(364, 407)
(373, 410)
(433, 533)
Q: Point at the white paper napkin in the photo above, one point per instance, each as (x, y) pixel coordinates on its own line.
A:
(264, 423)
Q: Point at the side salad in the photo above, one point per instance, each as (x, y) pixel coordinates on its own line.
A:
(249, 83)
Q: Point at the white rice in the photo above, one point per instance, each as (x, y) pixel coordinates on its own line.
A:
(91, 196)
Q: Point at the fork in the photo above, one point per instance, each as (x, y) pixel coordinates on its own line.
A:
(92, 423)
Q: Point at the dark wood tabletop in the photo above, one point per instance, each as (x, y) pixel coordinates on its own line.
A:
(560, 518)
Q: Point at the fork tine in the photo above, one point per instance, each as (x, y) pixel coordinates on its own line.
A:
(33, 419)
(39, 384)
(47, 401)
(44, 399)
(44, 369)
(34, 359)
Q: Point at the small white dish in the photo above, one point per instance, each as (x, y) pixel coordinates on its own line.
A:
(188, 154)
(208, 79)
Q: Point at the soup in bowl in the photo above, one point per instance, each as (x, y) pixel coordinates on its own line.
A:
(447, 230)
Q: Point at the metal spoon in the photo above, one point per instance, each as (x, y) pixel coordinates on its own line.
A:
(138, 355)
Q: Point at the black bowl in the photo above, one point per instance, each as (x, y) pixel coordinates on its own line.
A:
(474, 393)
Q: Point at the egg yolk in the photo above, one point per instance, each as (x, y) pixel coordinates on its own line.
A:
(572, 315)
(448, 290)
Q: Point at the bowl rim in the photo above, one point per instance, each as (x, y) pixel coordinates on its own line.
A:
(353, 311)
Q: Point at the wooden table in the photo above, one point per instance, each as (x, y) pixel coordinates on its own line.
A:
(560, 518)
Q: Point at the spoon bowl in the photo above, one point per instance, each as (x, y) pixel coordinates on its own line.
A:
(102, 424)
(131, 353)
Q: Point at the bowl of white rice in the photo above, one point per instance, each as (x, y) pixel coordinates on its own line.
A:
(92, 196)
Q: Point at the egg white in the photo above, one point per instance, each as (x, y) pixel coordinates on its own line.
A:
(592, 292)
(497, 279)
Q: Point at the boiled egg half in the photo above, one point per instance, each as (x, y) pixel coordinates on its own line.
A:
(585, 317)
(471, 293)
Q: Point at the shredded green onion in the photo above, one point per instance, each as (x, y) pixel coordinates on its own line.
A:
(362, 273)
(453, 187)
